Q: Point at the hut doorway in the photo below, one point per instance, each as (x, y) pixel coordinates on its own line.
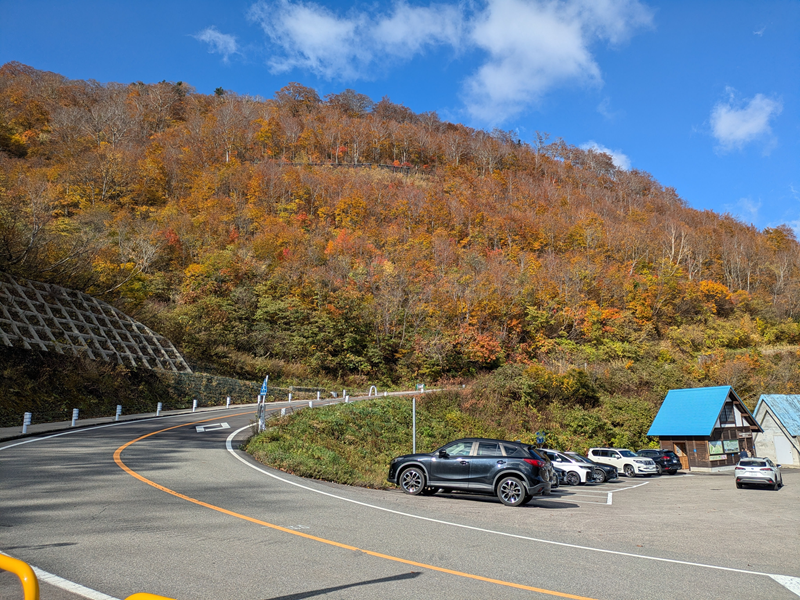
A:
(680, 450)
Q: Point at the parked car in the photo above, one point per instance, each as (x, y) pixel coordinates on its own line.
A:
(600, 472)
(666, 460)
(513, 471)
(558, 478)
(575, 472)
(758, 471)
(624, 460)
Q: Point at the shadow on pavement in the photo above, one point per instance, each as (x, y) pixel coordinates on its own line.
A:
(323, 591)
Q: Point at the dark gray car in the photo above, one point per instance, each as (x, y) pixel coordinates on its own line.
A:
(513, 471)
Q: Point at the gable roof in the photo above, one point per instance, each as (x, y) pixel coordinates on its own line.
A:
(692, 412)
(786, 409)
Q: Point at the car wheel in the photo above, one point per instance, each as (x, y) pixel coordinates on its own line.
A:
(599, 476)
(660, 469)
(573, 478)
(554, 482)
(511, 491)
(412, 481)
(775, 486)
(629, 471)
(673, 472)
(738, 485)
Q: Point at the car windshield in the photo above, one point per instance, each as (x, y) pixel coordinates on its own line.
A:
(752, 463)
(581, 458)
(626, 453)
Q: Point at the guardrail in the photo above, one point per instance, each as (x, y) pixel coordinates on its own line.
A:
(30, 583)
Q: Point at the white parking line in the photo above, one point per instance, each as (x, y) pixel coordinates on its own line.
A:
(790, 583)
(70, 586)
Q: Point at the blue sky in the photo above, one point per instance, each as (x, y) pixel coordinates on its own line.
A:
(705, 96)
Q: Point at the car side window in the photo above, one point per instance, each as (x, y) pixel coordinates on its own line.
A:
(489, 449)
(459, 449)
(770, 463)
(615, 455)
(601, 453)
(512, 450)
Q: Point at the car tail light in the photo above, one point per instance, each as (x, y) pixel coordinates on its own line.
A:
(765, 469)
(534, 462)
(665, 458)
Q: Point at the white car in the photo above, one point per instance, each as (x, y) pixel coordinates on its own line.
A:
(758, 471)
(624, 460)
(575, 471)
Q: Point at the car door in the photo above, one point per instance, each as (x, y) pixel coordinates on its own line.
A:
(453, 465)
(486, 463)
(602, 457)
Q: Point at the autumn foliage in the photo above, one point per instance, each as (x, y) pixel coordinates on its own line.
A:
(346, 239)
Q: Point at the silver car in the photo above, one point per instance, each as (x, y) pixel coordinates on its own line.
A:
(758, 471)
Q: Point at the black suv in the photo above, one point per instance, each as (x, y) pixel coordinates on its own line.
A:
(666, 460)
(513, 471)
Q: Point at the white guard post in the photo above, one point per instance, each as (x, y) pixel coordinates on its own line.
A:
(119, 412)
(227, 402)
(158, 409)
(74, 416)
(26, 420)
(262, 417)
(194, 405)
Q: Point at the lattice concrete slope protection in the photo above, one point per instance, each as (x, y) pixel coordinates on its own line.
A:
(47, 317)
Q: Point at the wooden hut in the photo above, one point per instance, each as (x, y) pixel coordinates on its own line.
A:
(707, 428)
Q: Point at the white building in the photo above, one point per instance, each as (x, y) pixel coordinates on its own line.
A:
(779, 416)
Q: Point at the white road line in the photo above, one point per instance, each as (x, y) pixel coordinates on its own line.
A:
(116, 423)
(630, 487)
(67, 585)
(790, 583)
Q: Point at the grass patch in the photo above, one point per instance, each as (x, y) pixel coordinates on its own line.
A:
(353, 443)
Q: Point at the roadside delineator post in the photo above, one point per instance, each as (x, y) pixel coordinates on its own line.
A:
(26, 420)
(74, 416)
(194, 405)
(385, 393)
(119, 412)
(317, 395)
(283, 412)
(290, 396)
(227, 402)
(158, 409)
(310, 404)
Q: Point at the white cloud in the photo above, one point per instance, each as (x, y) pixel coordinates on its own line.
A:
(528, 46)
(620, 160)
(309, 36)
(745, 209)
(736, 124)
(536, 45)
(218, 42)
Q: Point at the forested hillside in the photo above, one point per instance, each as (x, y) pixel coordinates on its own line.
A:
(260, 235)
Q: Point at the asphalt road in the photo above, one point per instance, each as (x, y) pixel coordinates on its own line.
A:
(184, 514)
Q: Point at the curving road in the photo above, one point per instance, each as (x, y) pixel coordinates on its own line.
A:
(164, 507)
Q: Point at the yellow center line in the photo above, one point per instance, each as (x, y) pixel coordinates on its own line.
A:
(131, 472)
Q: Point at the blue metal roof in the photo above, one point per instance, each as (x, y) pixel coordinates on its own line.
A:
(690, 412)
(786, 408)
